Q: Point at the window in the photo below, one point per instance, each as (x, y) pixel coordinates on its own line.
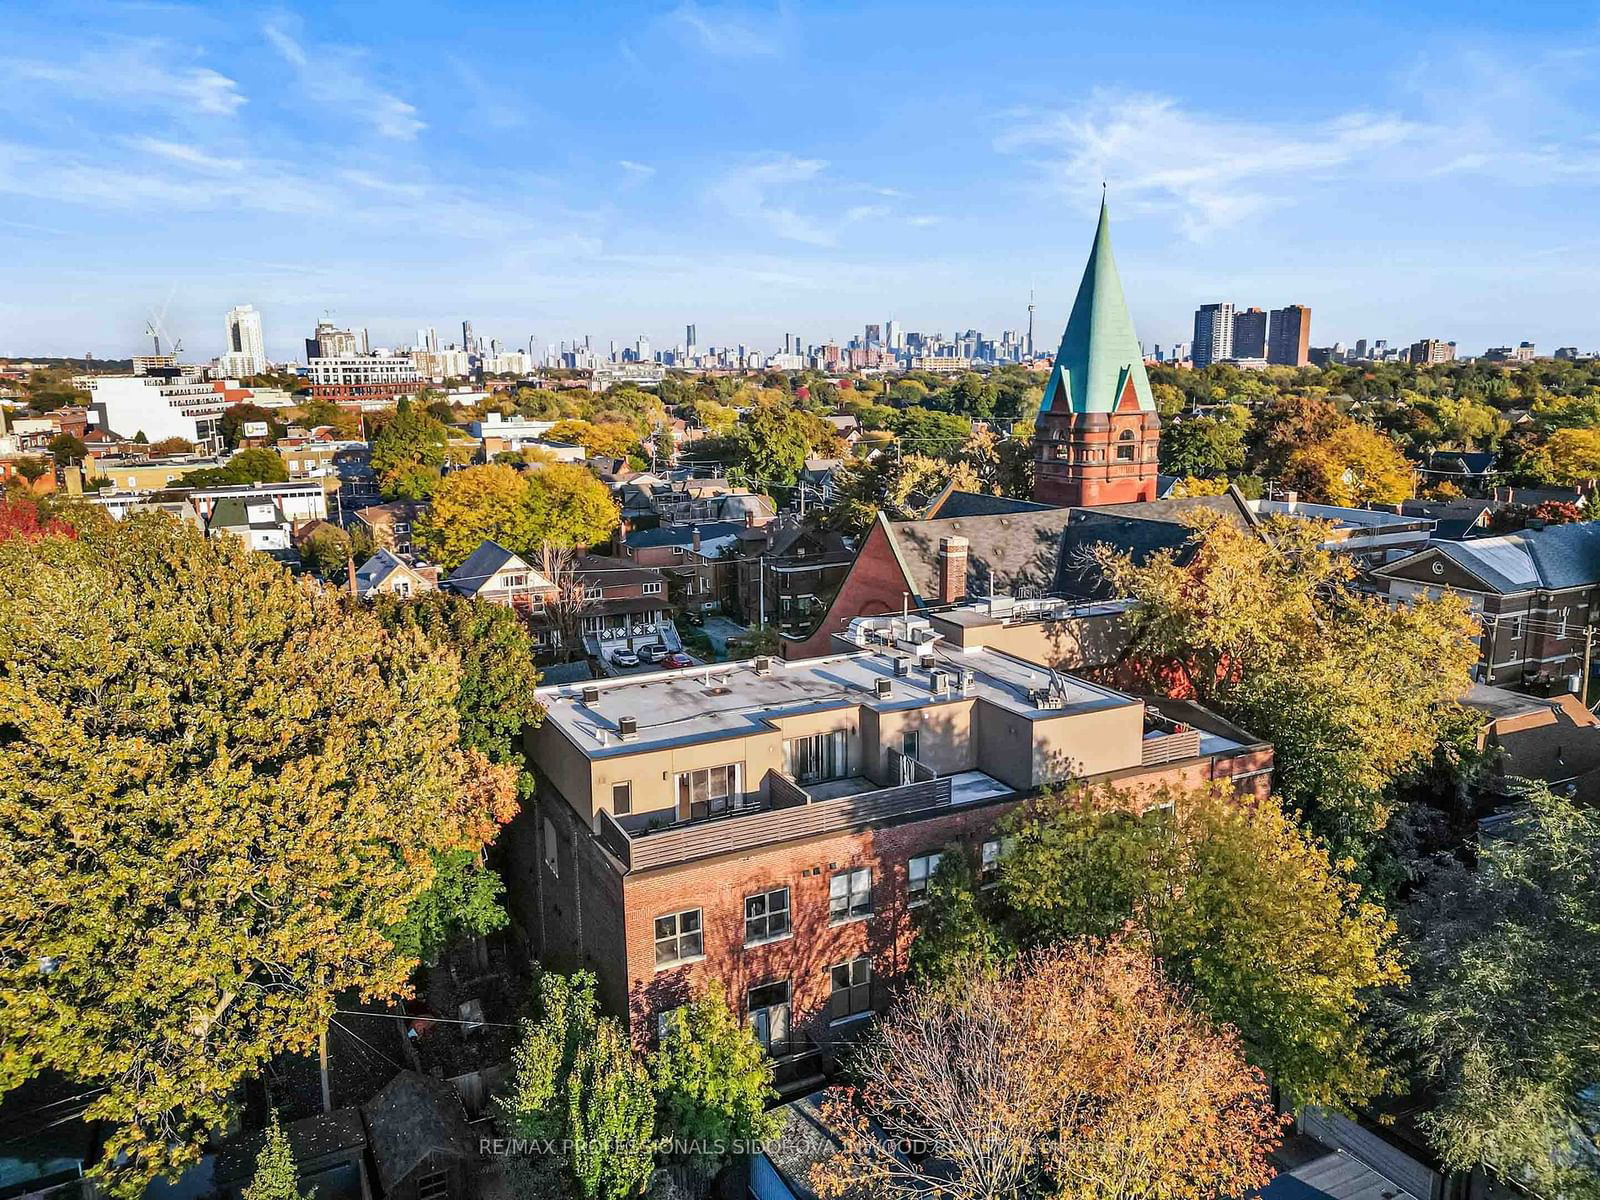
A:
(679, 937)
(652, 589)
(852, 989)
(513, 581)
(766, 916)
(706, 793)
(989, 863)
(621, 799)
(591, 591)
(910, 742)
(817, 757)
(664, 1019)
(768, 1006)
(918, 871)
(1124, 453)
(850, 895)
(435, 1185)
(552, 855)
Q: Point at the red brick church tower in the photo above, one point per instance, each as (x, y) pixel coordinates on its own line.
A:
(1098, 432)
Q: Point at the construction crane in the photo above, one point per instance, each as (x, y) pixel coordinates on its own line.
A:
(155, 329)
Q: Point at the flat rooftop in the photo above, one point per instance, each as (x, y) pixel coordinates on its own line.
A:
(700, 704)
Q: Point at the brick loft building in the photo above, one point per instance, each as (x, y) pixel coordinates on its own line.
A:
(773, 824)
(1098, 430)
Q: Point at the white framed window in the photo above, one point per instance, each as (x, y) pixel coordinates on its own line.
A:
(989, 862)
(679, 938)
(621, 799)
(851, 992)
(766, 916)
(918, 871)
(850, 895)
(707, 792)
(652, 589)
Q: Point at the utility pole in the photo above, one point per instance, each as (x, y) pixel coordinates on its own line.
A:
(1588, 658)
(761, 588)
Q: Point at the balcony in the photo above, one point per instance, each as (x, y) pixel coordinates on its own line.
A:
(791, 811)
(1166, 740)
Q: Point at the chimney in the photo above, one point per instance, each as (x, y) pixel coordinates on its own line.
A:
(697, 539)
(952, 570)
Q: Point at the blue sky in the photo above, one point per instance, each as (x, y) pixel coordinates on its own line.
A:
(555, 169)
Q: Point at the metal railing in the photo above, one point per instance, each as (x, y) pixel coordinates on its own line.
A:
(1170, 747)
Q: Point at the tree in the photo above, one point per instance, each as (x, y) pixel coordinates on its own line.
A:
(495, 705)
(276, 1177)
(471, 506)
(1574, 455)
(956, 937)
(610, 439)
(1239, 903)
(713, 1082)
(1500, 1016)
(773, 441)
(1078, 1072)
(32, 469)
(915, 480)
(1351, 466)
(1264, 626)
(171, 445)
(254, 465)
(408, 453)
(220, 792)
(326, 551)
(1203, 446)
(24, 517)
(576, 1083)
(924, 431)
(568, 506)
(65, 448)
(236, 416)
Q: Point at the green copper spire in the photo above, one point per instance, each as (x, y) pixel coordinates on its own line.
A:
(1099, 352)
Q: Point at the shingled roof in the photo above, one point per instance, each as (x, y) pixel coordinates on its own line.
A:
(412, 1117)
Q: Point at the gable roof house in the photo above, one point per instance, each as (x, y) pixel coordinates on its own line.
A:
(493, 573)
(1536, 591)
(388, 573)
(255, 520)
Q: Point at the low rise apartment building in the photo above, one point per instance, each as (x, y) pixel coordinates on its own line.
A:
(773, 824)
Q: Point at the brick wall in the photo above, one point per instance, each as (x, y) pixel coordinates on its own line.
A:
(874, 585)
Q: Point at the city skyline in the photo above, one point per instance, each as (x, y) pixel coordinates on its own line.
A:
(301, 162)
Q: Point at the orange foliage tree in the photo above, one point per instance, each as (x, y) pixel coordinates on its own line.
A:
(1078, 1072)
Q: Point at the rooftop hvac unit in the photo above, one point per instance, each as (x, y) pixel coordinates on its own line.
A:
(628, 728)
(939, 682)
(591, 695)
(925, 661)
(882, 687)
(763, 664)
(902, 665)
(968, 677)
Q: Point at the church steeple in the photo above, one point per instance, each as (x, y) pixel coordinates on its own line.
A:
(1098, 430)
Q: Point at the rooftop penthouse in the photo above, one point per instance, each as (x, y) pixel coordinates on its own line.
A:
(677, 765)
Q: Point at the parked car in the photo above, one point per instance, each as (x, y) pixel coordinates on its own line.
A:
(624, 658)
(678, 660)
(655, 652)
(694, 618)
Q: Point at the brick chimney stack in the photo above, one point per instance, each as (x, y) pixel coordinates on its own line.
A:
(952, 570)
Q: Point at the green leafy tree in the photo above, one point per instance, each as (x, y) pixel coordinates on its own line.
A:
(254, 465)
(409, 452)
(1501, 1017)
(1238, 902)
(276, 1177)
(1264, 627)
(64, 448)
(488, 502)
(326, 551)
(203, 836)
(32, 469)
(773, 441)
(956, 936)
(713, 1082)
(576, 1083)
(236, 416)
(1202, 446)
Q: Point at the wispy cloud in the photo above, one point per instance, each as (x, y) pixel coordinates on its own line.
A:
(638, 170)
(335, 78)
(1212, 172)
(745, 192)
(727, 33)
(185, 155)
(136, 71)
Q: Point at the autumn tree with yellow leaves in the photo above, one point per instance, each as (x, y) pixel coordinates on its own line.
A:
(222, 789)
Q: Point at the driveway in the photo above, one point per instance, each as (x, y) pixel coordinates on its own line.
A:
(720, 629)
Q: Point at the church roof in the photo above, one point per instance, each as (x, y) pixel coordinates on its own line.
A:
(1099, 356)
